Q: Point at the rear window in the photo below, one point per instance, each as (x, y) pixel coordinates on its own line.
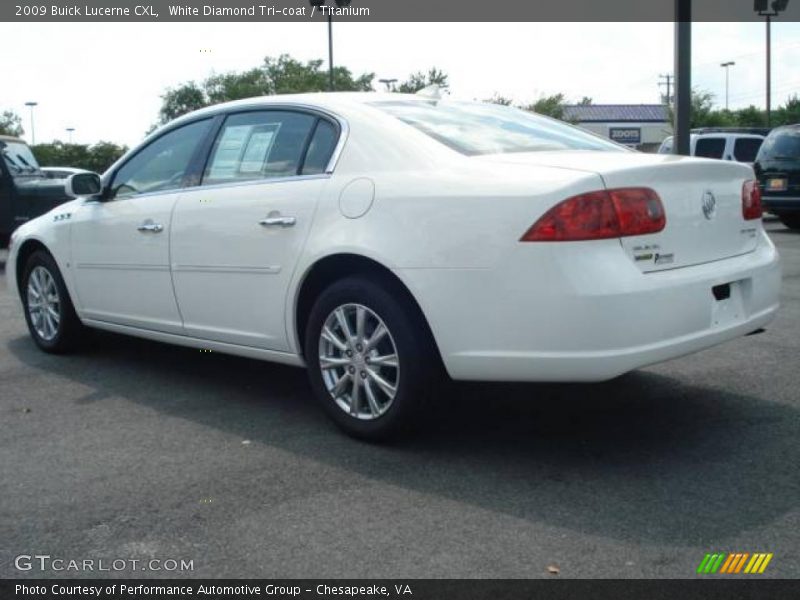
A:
(746, 149)
(783, 144)
(18, 158)
(710, 147)
(472, 128)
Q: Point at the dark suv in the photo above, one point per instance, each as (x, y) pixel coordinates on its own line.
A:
(777, 167)
(25, 191)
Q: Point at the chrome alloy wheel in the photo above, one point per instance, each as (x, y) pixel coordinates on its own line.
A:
(359, 362)
(44, 304)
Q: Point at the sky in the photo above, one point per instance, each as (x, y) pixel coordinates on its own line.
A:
(106, 80)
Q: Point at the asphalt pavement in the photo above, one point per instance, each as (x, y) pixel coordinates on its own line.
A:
(138, 450)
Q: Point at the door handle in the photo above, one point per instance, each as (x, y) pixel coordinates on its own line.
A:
(150, 228)
(278, 222)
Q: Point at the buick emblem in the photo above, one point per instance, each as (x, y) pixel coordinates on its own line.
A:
(709, 204)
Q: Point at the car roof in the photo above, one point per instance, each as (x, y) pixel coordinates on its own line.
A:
(321, 100)
(781, 128)
(11, 138)
(753, 136)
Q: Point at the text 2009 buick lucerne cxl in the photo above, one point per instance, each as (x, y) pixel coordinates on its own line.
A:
(375, 238)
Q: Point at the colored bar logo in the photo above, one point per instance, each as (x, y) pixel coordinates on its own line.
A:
(734, 563)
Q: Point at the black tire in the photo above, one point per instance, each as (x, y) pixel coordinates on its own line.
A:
(417, 373)
(792, 221)
(68, 331)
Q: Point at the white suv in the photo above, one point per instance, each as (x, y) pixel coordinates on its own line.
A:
(740, 147)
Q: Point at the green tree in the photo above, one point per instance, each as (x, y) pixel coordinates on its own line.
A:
(104, 154)
(419, 80)
(551, 106)
(789, 113)
(181, 100)
(97, 157)
(235, 86)
(11, 124)
(750, 117)
(282, 75)
(585, 101)
(286, 75)
(703, 113)
(498, 99)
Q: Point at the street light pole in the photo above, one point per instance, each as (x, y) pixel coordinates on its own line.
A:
(762, 7)
(769, 70)
(727, 66)
(33, 134)
(320, 4)
(69, 131)
(388, 83)
(683, 77)
(330, 52)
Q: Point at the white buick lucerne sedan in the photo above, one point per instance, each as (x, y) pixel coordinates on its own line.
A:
(382, 240)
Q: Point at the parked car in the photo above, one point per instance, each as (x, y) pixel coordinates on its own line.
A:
(60, 172)
(25, 192)
(376, 238)
(735, 146)
(778, 170)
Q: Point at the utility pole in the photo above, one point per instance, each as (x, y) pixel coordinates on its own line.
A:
(667, 81)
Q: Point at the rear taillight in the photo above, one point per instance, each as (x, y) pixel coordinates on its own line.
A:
(600, 215)
(751, 200)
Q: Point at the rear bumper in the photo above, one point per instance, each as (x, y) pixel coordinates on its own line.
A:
(781, 203)
(581, 313)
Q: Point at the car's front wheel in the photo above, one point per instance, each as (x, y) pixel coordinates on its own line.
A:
(370, 358)
(49, 313)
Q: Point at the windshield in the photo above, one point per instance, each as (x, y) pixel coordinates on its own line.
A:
(19, 158)
(473, 128)
(782, 144)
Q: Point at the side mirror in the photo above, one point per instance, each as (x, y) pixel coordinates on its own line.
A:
(83, 184)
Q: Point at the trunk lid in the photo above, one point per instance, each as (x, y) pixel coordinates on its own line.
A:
(702, 200)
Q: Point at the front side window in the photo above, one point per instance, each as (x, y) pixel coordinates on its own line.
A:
(710, 147)
(473, 128)
(259, 145)
(162, 164)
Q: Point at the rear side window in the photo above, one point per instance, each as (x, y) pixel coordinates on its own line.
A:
(259, 145)
(710, 147)
(746, 149)
(321, 148)
(781, 145)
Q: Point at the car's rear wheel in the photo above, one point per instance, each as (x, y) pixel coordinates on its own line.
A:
(49, 313)
(369, 358)
(792, 221)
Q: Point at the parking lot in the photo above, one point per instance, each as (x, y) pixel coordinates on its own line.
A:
(137, 450)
